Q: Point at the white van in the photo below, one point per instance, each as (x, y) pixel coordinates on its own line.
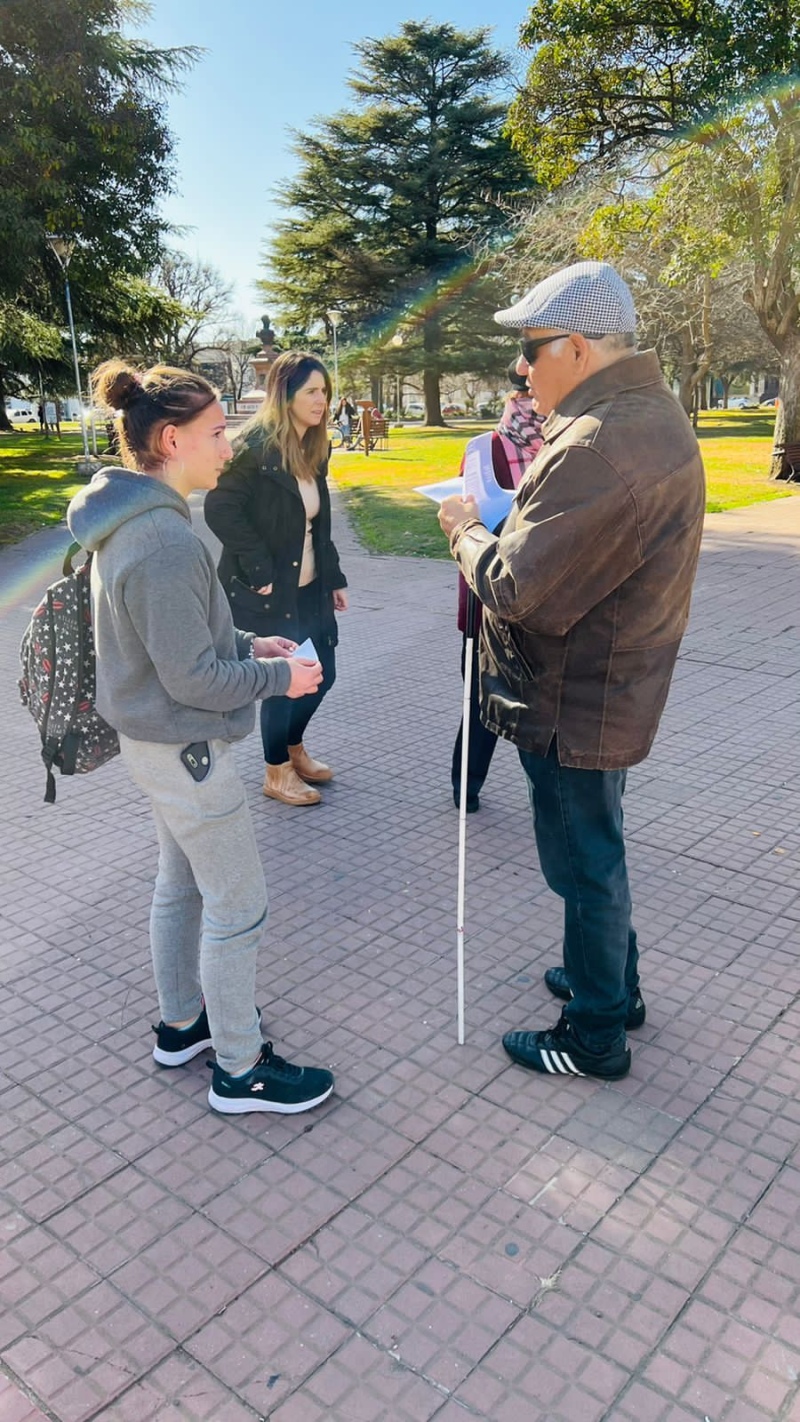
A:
(21, 413)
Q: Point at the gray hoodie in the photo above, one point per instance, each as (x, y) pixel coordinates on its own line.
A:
(170, 665)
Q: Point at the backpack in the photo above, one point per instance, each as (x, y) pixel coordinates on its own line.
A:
(58, 678)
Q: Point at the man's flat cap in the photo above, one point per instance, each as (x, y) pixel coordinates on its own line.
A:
(589, 298)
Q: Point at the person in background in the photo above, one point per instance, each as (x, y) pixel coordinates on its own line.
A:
(271, 511)
(586, 592)
(178, 684)
(343, 416)
(515, 443)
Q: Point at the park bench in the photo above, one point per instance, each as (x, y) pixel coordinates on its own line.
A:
(790, 461)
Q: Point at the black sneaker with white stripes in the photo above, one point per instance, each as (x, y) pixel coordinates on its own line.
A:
(557, 1051)
(556, 980)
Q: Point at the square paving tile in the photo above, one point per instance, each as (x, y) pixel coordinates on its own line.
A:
(658, 1227)
(425, 1199)
(187, 1275)
(486, 1141)
(570, 1184)
(178, 1390)
(361, 1383)
(204, 1158)
(118, 1218)
(777, 1214)
(347, 1151)
(709, 1361)
(87, 1353)
(38, 1275)
(755, 1118)
(712, 1171)
(510, 1247)
(533, 1365)
(275, 1208)
(617, 1307)
(267, 1342)
(353, 1264)
(441, 1323)
(627, 1132)
(15, 1406)
(46, 1174)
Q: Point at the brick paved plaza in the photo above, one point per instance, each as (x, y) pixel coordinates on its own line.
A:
(448, 1237)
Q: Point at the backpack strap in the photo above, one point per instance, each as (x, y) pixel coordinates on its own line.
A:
(69, 559)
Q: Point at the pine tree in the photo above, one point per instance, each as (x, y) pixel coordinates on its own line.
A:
(398, 205)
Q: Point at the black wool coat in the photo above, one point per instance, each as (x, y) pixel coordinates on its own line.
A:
(258, 514)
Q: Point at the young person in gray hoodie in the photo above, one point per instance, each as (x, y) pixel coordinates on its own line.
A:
(179, 685)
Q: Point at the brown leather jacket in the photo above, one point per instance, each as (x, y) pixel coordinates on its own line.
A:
(586, 590)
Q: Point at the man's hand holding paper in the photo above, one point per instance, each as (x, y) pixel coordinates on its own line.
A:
(453, 511)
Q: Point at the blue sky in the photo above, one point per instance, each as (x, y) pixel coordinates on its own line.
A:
(268, 67)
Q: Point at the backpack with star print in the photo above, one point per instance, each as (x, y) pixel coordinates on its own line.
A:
(58, 678)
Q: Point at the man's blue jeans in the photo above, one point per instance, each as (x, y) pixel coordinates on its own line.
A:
(577, 819)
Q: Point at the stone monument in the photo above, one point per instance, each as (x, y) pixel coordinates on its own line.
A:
(267, 355)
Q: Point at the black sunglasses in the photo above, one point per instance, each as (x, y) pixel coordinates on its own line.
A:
(531, 349)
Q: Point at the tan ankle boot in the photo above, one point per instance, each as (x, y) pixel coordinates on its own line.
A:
(281, 783)
(315, 772)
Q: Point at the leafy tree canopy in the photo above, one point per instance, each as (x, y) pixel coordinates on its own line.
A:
(613, 75)
(83, 144)
(397, 201)
(706, 90)
(85, 152)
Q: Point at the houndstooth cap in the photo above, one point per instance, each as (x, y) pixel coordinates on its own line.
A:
(589, 298)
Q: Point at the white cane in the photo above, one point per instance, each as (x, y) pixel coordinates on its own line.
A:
(462, 808)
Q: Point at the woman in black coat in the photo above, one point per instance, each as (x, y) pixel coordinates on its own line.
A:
(271, 511)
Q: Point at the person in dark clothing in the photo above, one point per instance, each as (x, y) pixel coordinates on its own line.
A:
(271, 511)
(515, 442)
(586, 591)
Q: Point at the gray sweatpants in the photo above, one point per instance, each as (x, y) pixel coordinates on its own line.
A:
(210, 900)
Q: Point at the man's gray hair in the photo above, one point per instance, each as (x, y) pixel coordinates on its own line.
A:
(619, 341)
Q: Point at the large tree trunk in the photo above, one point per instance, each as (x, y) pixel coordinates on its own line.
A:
(431, 342)
(787, 422)
(5, 423)
(687, 372)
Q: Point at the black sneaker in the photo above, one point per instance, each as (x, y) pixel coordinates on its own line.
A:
(272, 1085)
(177, 1045)
(558, 1052)
(556, 980)
(473, 801)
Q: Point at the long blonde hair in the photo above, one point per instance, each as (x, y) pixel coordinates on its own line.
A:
(273, 423)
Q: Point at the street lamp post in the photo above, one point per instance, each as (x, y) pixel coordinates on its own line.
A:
(335, 317)
(62, 249)
(397, 341)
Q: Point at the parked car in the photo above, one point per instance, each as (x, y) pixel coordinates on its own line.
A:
(743, 402)
(770, 404)
(453, 410)
(21, 415)
(414, 409)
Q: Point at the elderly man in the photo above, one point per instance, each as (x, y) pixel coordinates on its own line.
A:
(586, 594)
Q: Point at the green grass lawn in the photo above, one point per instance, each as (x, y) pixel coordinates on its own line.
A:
(391, 518)
(38, 478)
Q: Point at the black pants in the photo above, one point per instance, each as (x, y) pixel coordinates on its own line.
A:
(481, 744)
(284, 719)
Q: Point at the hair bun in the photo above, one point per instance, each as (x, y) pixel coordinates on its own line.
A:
(117, 385)
(125, 389)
